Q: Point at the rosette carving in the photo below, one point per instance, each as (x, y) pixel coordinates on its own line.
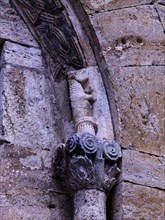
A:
(112, 150)
(72, 143)
(88, 163)
(89, 143)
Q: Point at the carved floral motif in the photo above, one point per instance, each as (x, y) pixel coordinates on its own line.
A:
(88, 162)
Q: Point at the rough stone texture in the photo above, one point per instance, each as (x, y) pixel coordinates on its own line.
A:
(27, 112)
(124, 41)
(18, 55)
(27, 189)
(89, 102)
(143, 169)
(129, 35)
(12, 27)
(95, 6)
(137, 202)
(89, 204)
(160, 7)
(139, 94)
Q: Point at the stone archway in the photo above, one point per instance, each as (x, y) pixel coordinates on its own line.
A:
(131, 61)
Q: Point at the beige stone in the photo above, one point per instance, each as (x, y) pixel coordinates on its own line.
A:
(143, 169)
(139, 95)
(92, 6)
(12, 26)
(124, 40)
(132, 202)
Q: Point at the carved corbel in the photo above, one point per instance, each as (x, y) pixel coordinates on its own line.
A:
(86, 162)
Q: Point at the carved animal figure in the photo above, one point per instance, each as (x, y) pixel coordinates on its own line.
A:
(81, 101)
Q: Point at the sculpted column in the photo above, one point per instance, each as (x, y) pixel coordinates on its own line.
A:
(87, 165)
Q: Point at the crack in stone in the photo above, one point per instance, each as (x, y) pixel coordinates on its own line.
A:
(160, 20)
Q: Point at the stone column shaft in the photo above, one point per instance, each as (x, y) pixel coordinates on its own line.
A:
(90, 205)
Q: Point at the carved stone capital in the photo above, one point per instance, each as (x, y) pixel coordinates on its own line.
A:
(85, 162)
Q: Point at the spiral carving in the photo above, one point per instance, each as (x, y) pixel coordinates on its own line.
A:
(89, 143)
(112, 150)
(72, 143)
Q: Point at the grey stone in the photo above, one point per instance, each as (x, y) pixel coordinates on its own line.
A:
(16, 54)
(88, 80)
(89, 204)
(32, 162)
(28, 190)
(143, 169)
(12, 26)
(28, 118)
(160, 7)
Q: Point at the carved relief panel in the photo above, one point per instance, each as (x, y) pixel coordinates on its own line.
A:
(51, 26)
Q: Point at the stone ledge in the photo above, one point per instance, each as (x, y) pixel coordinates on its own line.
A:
(28, 113)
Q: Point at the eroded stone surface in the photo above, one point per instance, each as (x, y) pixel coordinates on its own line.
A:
(28, 117)
(12, 26)
(143, 169)
(89, 103)
(92, 6)
(90, 204)
(139, 94)
(137, 202)
(160, 6)
(27, 193)
(124, 40)
(16, 54)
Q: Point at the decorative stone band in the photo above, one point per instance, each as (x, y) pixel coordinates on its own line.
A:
(86, 124)
(86, 162)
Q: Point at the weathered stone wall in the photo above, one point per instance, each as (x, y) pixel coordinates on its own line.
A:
(30, 126)
(128, 40)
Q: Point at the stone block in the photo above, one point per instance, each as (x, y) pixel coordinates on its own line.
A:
(130, 202)
(160, 7)
(139, 95)
(23, 188)
(16, 54)
(12, 26)
(131, 36)
(29, 118)
(14, 212)
(143, 169)
(95, 6)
